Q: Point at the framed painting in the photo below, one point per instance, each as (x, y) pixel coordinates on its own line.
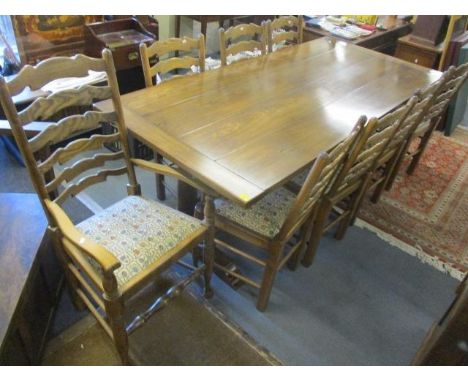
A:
(43, 36)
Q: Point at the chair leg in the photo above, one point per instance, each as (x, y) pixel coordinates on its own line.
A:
(114, 310)
(316, 233)
(294, 260)
(304, 235)
(343, 226)
(378, 192)
(209, 212)
(198, 214)
(160, 188)
(353, 209)
(381, 186)
(271, 269)
(396, 168)
(422, 147)
(72, 283)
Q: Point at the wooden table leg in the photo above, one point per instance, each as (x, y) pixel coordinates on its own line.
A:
(209, 212)
(177, 26)
(187, 198)
(204, 25)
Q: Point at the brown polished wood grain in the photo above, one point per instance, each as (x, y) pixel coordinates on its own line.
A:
(30, 279)
(249, 127)
(21, 217)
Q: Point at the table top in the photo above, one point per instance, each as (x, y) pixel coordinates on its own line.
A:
(247, 128)
(22, 227)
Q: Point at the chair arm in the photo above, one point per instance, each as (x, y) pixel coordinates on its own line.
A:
(106, 260)
(166, 170)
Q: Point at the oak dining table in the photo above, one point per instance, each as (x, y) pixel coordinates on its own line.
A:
(244, 129)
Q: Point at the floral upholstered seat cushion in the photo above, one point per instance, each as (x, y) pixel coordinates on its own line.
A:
(138, 232)
(265, 217)
(300, 178)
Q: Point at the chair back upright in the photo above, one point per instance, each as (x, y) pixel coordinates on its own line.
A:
(242, 38)
(165, 63)
(366, 153)
(451, 82)
(285, 29)
(319, 180)
(436, 98)
(36, 151)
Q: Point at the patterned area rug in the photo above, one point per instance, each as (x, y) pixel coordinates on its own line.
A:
(426, 214)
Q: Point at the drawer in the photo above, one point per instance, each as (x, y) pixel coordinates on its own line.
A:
(416, 55)
(126, 57)
(309, 35)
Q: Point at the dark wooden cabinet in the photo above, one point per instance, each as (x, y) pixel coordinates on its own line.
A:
(381, 41)
(123, 37)
(417, 52)
(31, 280)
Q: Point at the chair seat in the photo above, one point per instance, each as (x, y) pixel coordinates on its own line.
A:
(138, 232)
(301, 177)
(265, 217)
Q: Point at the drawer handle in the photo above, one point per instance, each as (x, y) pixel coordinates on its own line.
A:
(133, 56)
(416, 60)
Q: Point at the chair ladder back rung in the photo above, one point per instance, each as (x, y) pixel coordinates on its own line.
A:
(285, 29)
(44, 108)
(242, 38)
(167, 56)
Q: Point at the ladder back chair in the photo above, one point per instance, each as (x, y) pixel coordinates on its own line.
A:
(452, 81)
(389, 157)
(351, 182)
(423, 125)
(162, 50)
(115, 253)
(390, 161)
(153, 74)
(285, 30)
(241, 39)
(270, 223)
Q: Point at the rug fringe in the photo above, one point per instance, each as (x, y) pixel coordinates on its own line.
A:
(413, 251)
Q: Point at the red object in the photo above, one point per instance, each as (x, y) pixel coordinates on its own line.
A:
(368, 27)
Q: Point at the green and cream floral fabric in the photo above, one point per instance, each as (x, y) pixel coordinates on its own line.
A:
(300, 178)
(265, 217)
(138, 232)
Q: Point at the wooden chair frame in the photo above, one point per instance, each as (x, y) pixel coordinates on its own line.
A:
(453, 80)
(354, 176)
(96, 289)
(433, 100)
(391, 160)
(162, 48)
(258, 40)
(295, 36)
(165, 47)
(300, 219)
